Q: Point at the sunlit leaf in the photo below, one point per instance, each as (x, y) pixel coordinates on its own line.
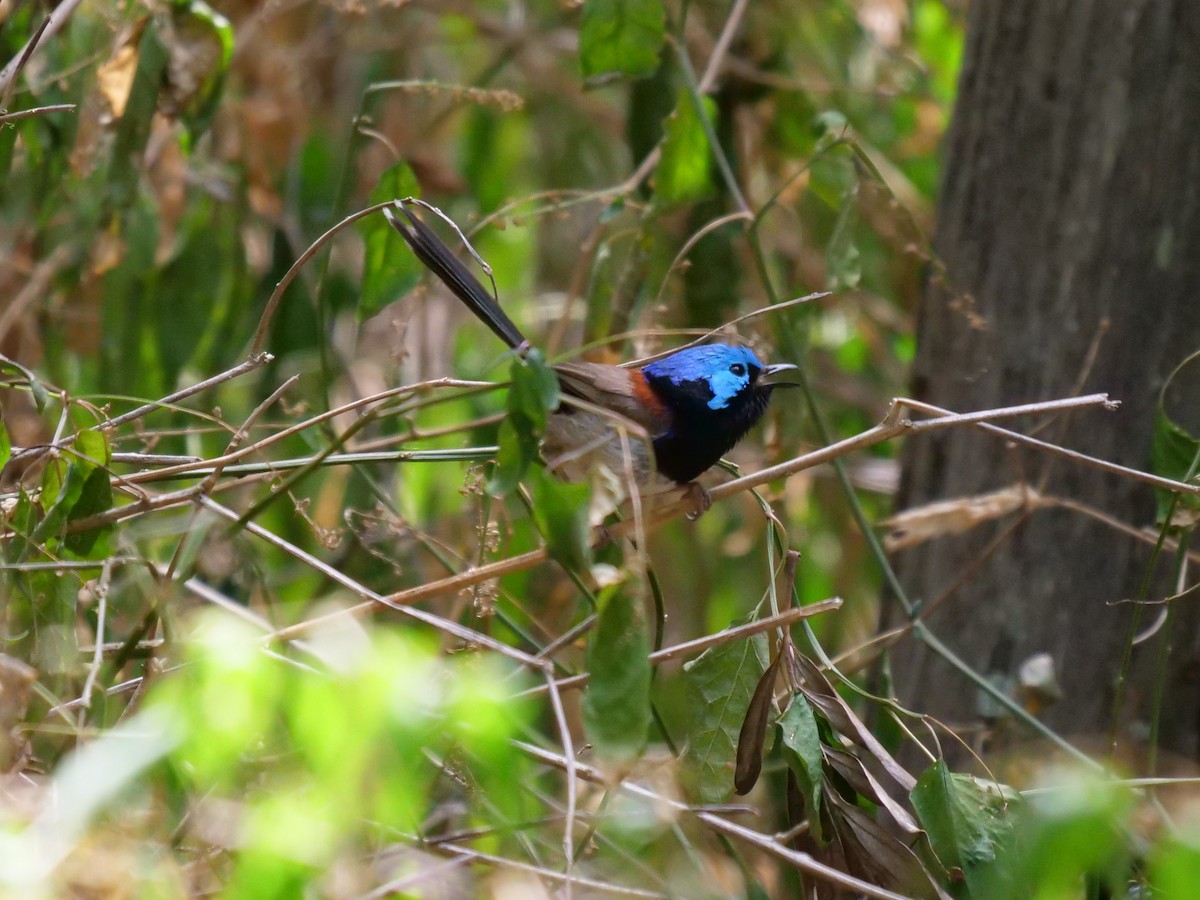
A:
(621, 37)
(616, 707)
(938, 38)
(1072, 830)
(684, 171)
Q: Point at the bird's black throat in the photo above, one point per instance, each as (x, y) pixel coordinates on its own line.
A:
(699, 435)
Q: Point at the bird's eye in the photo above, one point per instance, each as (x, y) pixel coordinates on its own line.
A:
(738, 369)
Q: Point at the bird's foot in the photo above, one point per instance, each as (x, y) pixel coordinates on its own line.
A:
(694, 493)
(602, 537)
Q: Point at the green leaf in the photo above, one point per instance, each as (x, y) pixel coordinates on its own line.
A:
(197, 29)
(389, 268)
(684, 171)
(601, 293)
(966, 819)
(95, 496)
(75, 489)
(1077, 829)
(842, 262)
(721, 682)
(1175, 868)
(533, 393)
(5, 446)
(1172, 455)
(560, 511)
(132, 359)
(36, 389)
(802, 749)
(621, 37)
(61, 487)
(616, 707)
(518, 449)
(1175, 452)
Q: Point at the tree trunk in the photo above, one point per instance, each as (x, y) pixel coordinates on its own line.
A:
(1069, 227)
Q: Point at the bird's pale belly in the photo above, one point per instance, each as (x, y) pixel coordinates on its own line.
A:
(578, 444)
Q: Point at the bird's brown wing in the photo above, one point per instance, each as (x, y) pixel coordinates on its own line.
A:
(624, 391)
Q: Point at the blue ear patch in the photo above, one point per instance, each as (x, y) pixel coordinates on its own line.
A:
(726, 385)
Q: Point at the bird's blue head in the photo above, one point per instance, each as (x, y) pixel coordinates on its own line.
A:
(714, 394)
(714, 374)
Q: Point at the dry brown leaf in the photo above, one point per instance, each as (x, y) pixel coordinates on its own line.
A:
(872, 852)
(924, 523)
(115, 77)
(753, 735)
(864, 783)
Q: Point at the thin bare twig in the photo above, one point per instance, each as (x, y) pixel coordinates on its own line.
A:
(49, 27)
(102, 587)
(542, 872)
(1082, 458)
(9, 118)
(264, 322)
(699, 645)
(452, 628)
(564, 737)
(766, 843)
(291, 430)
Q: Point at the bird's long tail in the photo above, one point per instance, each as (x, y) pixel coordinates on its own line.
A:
(442, 262)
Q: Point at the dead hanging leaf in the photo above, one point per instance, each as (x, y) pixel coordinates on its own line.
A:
(115, 77)
(753, 735)
(873, 853)
(859, 777)
(924, 523)
(821, 694)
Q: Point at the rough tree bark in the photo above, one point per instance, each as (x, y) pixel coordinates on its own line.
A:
(1070, 199)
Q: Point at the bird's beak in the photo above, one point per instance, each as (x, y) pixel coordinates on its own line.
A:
(780, 375)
